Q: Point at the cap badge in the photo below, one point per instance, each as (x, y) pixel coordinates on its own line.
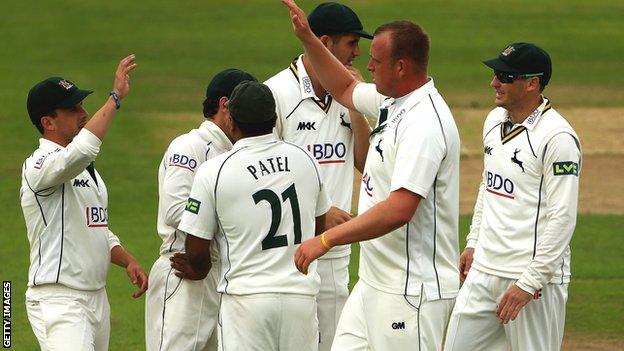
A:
(65, 84)
(508, 51)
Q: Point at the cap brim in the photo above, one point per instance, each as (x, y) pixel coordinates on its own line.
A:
(362, 34)
(498, 65)
(77, 96)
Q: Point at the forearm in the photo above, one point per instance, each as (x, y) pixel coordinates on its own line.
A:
(380, 219)
(198, 253)
(101, 120)
(334, 77)
(475, 225)
(361, 134)
(121, 257)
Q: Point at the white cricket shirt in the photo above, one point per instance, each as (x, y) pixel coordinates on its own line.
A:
(323, 128)
(259, 201)
(175, 177)
(415, 148)
(526, 209)
(65, 210)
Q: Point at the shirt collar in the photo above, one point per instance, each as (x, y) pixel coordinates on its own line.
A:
(256, 140)
(412, 98)
(212, 132)
(305, 83)
(49, 145)
(534, 117)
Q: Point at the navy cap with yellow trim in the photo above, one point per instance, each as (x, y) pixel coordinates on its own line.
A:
(50, 94)
(523, 59)
(331, 18)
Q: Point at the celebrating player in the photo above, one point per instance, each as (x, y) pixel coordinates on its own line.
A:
(516, 284)
(409, 202)
(65, 204)
(335, 136)
(259, 201)
(187, 320)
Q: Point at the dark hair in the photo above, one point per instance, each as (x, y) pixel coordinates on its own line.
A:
(408, 41)
(210, 107)
(38, 124)
(256, 129)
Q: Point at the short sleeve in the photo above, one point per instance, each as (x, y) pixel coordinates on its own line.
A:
(200, 216)
(367, 100)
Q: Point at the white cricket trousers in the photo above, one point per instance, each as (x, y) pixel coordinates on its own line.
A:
(180, 314)
(379, 321)
(475, 326)
(268, 322)
(332, 296)
(67, 319)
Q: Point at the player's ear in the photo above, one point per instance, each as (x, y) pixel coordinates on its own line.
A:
(223, 103)
(325, 39)
(47, 123)
(533, 84)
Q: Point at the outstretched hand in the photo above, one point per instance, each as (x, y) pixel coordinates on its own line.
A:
(137, 277)
(122, 76)
(301, 27)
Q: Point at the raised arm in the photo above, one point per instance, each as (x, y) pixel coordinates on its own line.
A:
(334, 77)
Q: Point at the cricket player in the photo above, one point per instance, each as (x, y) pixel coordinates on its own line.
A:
(407, 226)
(517, 256)
(181, 314)
(259, 202)
(335, 136)
(65, 203)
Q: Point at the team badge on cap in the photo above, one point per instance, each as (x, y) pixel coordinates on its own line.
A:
(508, 51)
(65, 84)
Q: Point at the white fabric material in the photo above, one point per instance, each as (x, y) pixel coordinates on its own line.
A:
(175, 177)
(249, 200)
(417, 149)
(65, 211)
(180, 314)
(375, 320)
(526, 213)
(168, 320)
(67, 319)
(323, 128)
(332, 297)
(475, 326)
(268, 322)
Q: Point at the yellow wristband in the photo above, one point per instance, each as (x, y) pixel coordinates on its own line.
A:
(324, 242)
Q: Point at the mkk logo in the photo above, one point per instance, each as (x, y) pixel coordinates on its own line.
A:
(81, 183)
(565, 168)
(306, 126)
(499, 185)
(307, 84)
(182, 161)
(343, 122)
(328, 153)
(368, 186)
(488, 150)
(97, 217)
(398, 325)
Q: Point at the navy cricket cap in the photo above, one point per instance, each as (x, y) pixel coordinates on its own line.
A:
(331, 18)
(252, 102)
(224, 82)
(50, 94)
(523, 58)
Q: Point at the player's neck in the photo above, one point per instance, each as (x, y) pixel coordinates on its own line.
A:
(316, 84)
(519, 113)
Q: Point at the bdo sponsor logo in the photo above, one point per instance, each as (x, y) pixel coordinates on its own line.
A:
(499, 185)
(97, 217)
(328, 152)
(183, 161)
